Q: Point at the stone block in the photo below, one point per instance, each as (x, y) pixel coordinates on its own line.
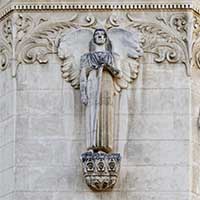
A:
(50, 126)
(114, 195)
(77, 196)
(6, 106)
(162, 76)
(156, 196)
(157, 153)
(72, 102)
(7, 131)
(40, 126)
(9, 196)
(7, 156)
(195, 130)
(6, 83)
(7, 183)
(33, 152)
(195, 179)
(68, 152)
(196, 152)
(49, 152)
(33, 196)
(46, 179)
(152, 153)
(154, 101)
(152, 127)
(39, 102)
(157, 179)
(74, 126)
(22, 104)
(39, 77)
(195, 102)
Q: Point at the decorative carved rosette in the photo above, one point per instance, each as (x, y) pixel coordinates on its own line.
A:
(100, 169)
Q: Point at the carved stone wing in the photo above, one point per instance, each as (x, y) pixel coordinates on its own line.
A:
(71, 46)
(127, 45)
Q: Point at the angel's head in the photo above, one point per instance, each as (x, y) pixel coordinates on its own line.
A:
(100, 37)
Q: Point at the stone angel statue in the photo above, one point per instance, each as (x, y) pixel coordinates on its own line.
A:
(100, 63)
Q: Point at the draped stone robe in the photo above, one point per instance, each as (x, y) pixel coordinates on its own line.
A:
(96, 82)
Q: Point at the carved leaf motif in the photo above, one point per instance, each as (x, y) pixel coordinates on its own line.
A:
(38, 40)
(163, 42)
(6, 44)
(24, 24)
(196, 42)
(3, 58)
(42, 42)
(7, 31)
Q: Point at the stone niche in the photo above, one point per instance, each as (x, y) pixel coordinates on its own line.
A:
(118, 114)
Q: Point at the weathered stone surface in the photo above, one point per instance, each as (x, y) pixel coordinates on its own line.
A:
(7, 183)
(152, 127)
(157, 196)
(63, 179)
(33, 79)
(7, 131)
(58, 152)
(155, 101)
(6, 106)
(156, 152)
(157, 179)
(42, 128)
(39, 102)
(7, 156)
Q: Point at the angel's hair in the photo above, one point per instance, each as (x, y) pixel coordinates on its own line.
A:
(108, 44)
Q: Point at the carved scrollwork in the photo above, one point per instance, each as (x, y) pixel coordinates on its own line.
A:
(23, 26)
(196, 42)
(163, 42)
(7, 31)
(166, 38)
(43, 38)
(4, 58)
(6, 44)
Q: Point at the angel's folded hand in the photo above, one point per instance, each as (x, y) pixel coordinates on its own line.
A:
(84, 99)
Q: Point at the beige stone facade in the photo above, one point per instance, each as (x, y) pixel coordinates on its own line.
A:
(42, 120)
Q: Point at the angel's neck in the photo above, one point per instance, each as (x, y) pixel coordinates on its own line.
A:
(100, 48)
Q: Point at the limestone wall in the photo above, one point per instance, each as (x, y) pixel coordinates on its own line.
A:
(42, 122)
(7, 133)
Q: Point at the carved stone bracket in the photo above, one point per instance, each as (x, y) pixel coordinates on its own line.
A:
(100, 169)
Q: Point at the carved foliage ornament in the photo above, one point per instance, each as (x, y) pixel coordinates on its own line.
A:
(6, 44)
(196, 41)
(166, 38)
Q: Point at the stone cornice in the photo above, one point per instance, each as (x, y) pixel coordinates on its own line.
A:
(94, 6)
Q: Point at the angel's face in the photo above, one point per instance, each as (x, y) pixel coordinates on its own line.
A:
(100, 37)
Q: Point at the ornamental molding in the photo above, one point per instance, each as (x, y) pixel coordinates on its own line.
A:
(93, 6)
(100, 170)
(196, 42)
(165, 37)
